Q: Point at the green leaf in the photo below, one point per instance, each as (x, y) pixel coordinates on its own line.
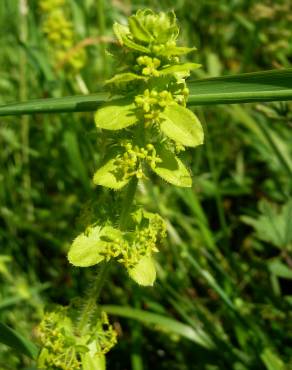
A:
(110, 176)
(144, 273)
(176, 50)
(77, 103)
(122, 33)
(280, 270)
(124, 78)
(169, 324)
(274, 85)
(138, 31)
(273, 225)
(86, 248)
(11, 338)
(171, 169)
(271, 360)
(96, 362)
(182, 125)
(116, 115)
(184, 67)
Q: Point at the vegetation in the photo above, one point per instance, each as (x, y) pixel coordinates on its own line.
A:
(220, 297)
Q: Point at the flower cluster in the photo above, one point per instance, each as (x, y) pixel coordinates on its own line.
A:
(132, 248)
(63, 348)
(155, 77)
(60, 35)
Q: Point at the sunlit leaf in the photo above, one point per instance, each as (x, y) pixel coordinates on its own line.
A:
(116, 115)
(176, 50)
(172, 170)
(96, 362)
(144, 273)
(87, 247)
(182, 125)
(184, 67)
(124, 78)
(138, 31)
(122, 33)
(110, 176)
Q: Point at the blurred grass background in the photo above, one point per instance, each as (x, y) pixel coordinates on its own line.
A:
(226, 269)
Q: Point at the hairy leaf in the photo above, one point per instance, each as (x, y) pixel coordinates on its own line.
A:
(184, 67)
(176, 50)
(182, 125)
(171, 169)
(85, 249)
(110, 176)
(96, 362)
(116, 115)
(124, 78)
(144, 273)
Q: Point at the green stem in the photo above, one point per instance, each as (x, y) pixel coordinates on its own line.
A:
(127, 202)
(94, 294)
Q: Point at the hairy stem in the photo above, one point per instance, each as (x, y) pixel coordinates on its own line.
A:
(127, 202)
(95, 292)
(93, 296)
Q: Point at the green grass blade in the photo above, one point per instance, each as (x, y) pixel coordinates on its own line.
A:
(198, 336)
(274, 85)
(16, 341)
(78, 103)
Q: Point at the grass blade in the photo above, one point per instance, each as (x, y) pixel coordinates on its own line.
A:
(198, 336)
(78, 103)
(16, 341)
(274, 85)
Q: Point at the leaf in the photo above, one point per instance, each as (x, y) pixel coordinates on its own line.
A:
(184, 67)
(169, 324)
(271, 360)
(85, 249)
(182, 125)
(116, 115)
(124, 78)
(273, 225)
(122, 33)
(96, 362)
(144, 273)
(171, 169)
(138, 30)
(110, 176)
(280, 270)
(274, 85)
(11, 338)
(176, 50)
